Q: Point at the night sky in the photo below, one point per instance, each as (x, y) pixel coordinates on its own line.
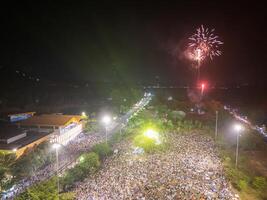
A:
(131, 41)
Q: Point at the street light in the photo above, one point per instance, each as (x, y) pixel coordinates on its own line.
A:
(106, 120)
(83, 114)
(56, 146)
(237, 129)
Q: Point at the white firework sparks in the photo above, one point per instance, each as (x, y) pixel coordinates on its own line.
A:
(204, 43)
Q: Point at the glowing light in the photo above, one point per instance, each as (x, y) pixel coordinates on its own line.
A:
(14, 150)
(56, 146)
(83, 114)
(170, 98)
(81, 159)
(106, 119)
(202, 88)
(238, 127)
(153, 135)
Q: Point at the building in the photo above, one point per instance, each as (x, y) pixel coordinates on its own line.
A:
(20, 116)
(62, 128)
(17, 140)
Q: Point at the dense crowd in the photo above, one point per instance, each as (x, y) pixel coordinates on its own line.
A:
(68, 154)
(190, 169)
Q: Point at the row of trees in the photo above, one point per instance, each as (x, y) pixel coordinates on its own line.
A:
(12, 170)
(33, 160)
(88, 164)
(243, 180)
(45, 190)
(6, 162)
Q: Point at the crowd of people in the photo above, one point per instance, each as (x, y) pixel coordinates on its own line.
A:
(69, 153)
(190, 169)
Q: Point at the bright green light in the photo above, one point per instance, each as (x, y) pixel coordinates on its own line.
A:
(153, 135)
(81, 159)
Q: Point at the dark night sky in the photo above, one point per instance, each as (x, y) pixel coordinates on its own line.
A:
(131, 41)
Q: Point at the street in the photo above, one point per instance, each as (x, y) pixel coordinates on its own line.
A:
(68, 154)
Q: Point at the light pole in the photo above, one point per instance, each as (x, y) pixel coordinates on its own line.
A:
(216, 125)
(106, 120)
(121, 127)
(237, 128)
(56, 146)
(84, 114)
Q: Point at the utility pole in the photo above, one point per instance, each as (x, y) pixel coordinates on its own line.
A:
(216, 125)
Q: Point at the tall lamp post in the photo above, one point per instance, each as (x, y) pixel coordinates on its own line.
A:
(106, 120)
(216, 125)
(56, 146)
(121, 127)
(237, 128)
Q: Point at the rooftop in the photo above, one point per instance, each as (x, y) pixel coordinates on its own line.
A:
(31, 137)
(8, 130)
(50, 120)
(23, 113)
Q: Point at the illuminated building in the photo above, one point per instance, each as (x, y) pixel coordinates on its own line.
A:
(62, 128)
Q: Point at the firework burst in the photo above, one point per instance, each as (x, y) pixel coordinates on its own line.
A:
(204, 43)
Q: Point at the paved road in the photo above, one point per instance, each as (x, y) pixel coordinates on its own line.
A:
(244, 119)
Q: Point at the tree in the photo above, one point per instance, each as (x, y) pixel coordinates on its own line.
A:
(91, 127)
(72, 175)
(177, 115)
(32, 160)
(259, 183)
(102, 149)
(44, 190)
(2, 177)
(6, 161)
(89, 162)
(67, 196)
(148, 144)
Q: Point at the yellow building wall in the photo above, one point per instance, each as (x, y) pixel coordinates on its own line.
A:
(22, 150)
(73, 120)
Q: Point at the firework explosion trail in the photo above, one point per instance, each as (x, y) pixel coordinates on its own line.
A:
(204, 43)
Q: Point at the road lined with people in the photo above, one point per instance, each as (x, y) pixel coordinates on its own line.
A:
(244, 119)
(68, 154)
